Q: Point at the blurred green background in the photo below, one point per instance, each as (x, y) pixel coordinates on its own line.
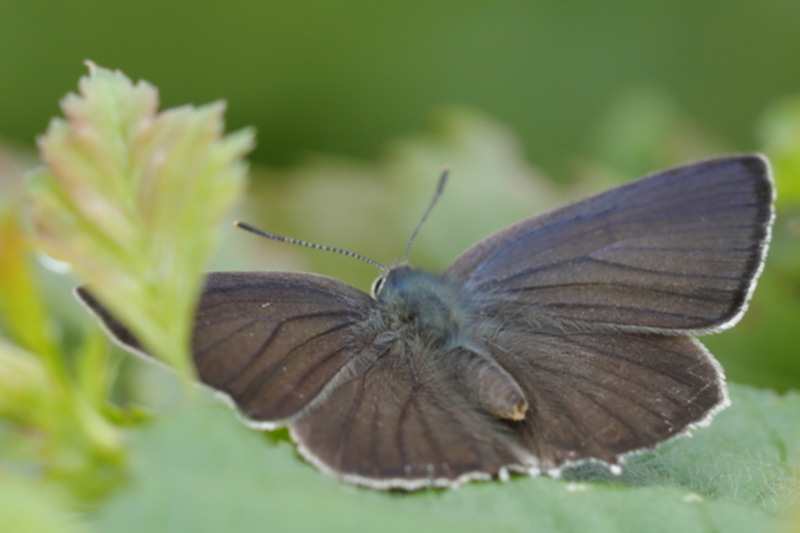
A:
(347, 76)
(359, 104)
(589, 93)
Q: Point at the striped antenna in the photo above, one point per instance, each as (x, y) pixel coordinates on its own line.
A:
(252, 229)
(436, 195)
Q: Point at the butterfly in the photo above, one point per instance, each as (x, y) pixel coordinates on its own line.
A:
(565, 338)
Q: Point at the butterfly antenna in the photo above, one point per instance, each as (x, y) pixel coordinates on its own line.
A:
(436, 195)
(252, 229)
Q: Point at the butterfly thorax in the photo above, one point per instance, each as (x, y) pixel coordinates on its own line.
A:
(421, 303)
(424, 308)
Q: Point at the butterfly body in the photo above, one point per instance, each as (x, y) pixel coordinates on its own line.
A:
(565, 338)
(415, 303)
(438, 321)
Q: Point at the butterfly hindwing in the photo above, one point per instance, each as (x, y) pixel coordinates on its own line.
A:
(599, 396)
(400, 422)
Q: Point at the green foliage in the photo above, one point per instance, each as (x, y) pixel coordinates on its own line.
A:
(734, 476)
(54, 418)
(132, 200)
(780, 135)
(122, 186)
(28, 506)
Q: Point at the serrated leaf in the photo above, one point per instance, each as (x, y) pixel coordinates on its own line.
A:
(132, 199)
(197, 469)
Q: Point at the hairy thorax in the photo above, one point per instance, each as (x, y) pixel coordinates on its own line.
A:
(420, 305)
(431, 317)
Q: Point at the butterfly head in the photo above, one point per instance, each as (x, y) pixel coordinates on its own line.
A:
(399, 281)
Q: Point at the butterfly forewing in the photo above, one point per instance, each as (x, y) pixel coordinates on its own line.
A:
(678, 250)
(273, 341)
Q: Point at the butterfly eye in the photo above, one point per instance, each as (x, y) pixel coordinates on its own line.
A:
(377, 285)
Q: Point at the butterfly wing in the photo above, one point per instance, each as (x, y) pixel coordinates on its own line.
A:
(401, 423)
(597, 396)
(271, 341)
(569, 304)
(306, 351)
(678, 250)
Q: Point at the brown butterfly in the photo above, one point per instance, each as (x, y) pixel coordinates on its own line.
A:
(565, 338)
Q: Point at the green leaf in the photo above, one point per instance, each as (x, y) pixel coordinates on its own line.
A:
(22, 311)
(26, 386)
(28, 506)
(132, 200)
(197, 469)
(60, 432)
